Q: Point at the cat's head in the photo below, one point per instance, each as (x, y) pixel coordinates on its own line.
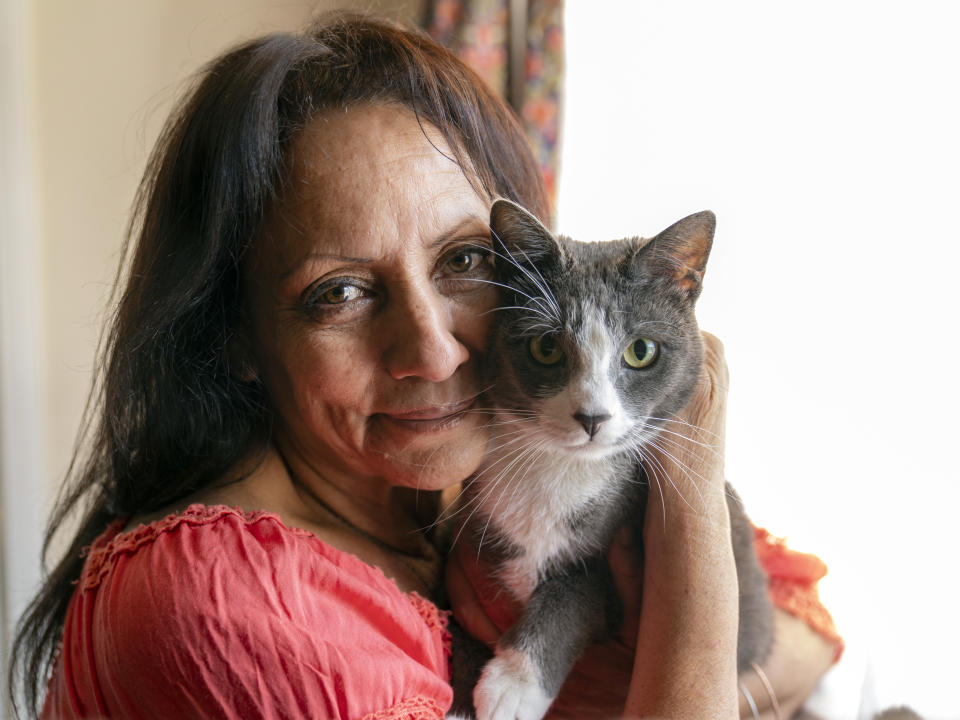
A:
(596, 345)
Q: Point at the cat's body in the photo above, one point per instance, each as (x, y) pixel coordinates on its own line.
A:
(594, 352)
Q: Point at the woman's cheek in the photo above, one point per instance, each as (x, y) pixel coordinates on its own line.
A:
(479, 312)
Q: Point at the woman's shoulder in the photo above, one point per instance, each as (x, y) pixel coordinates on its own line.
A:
(213, 598)
(192, 537)
(202, 544)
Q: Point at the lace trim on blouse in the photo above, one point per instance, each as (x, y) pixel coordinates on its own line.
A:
(414, 708)
(103, 554)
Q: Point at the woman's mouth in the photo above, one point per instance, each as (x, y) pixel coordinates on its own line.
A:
(432, 418)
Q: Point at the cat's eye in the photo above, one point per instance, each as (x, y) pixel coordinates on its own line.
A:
(546, 350)
(641, 353)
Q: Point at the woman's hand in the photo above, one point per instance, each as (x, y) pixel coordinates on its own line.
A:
(687, 640)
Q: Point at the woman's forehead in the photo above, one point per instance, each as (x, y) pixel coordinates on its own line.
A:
(366, 178)
(367, 136)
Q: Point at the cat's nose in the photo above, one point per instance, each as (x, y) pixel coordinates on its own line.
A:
(591, 423)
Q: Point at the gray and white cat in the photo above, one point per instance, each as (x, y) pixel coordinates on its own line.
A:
(593, 352)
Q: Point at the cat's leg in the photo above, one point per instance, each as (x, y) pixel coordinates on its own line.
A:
(755, 634)
(469, 655)
(567, 610)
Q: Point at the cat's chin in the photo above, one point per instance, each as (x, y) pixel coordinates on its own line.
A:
(590, 450)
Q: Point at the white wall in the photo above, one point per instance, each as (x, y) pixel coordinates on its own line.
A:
(825, 137)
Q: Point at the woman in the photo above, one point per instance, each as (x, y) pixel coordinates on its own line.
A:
(288, 385)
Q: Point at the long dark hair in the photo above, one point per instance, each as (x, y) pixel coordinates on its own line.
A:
(165, 415)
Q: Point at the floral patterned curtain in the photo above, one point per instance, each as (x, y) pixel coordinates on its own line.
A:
(527, 72)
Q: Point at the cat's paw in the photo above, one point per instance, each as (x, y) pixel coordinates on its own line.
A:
(509, 689)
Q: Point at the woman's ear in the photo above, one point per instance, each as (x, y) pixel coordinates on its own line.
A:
(240, 360)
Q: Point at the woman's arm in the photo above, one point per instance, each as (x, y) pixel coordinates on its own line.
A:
(686, 653)
(673, 673)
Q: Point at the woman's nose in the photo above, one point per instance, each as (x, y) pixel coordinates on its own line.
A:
(423, 341)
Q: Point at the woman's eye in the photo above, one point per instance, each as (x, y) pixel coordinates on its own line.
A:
(641, 353)
(461, 262)
(328, 297)
(339, 294)
(467, 260)
(546, 350)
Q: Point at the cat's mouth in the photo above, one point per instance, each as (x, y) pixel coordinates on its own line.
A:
(578, 444)
(591, 448)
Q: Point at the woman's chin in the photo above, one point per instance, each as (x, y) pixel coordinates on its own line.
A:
(432, 456)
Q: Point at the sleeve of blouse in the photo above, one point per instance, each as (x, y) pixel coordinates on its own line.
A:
(235, 620)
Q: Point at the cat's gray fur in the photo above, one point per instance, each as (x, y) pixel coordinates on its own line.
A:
(564, 469)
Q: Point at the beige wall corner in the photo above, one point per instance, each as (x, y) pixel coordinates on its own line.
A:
(23, 436)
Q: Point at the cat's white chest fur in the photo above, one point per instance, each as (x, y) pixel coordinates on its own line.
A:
(531, 505)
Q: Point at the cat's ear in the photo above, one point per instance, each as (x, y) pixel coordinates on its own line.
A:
(682, 250)
(519, 235)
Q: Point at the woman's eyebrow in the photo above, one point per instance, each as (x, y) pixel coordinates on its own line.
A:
(448, 234)
(316, 255)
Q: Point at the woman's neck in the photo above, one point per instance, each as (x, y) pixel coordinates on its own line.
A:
(364, 516)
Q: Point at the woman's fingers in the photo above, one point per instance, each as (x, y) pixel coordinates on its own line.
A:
(707, 407)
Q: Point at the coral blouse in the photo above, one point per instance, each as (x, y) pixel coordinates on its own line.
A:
(214, 612)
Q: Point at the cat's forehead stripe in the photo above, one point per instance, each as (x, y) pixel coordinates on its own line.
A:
(596, 335)
(599, 349)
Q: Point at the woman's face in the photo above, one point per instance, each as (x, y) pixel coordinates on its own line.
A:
(367, 311)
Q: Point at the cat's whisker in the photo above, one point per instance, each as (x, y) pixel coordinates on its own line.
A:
(528, 418)
(669, 479)
(500, 447)
(489, 485)
(540, 329)
(541, 285)
(675, 446)
(516, 480)
(685, 469)
(651, 472)
(505, 411)
(447, 514)
(652, 458)
(511, 288)
(534, 307)
(549, 306)
(524, 308)
(509, 439)
(545, 288)
(492, 484)
(529, 325)
(676, 421)
(511, 424)
(662, 433)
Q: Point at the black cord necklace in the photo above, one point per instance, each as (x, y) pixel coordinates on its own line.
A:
(429, 584)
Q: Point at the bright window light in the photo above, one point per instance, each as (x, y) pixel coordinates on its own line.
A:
(825, 137)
